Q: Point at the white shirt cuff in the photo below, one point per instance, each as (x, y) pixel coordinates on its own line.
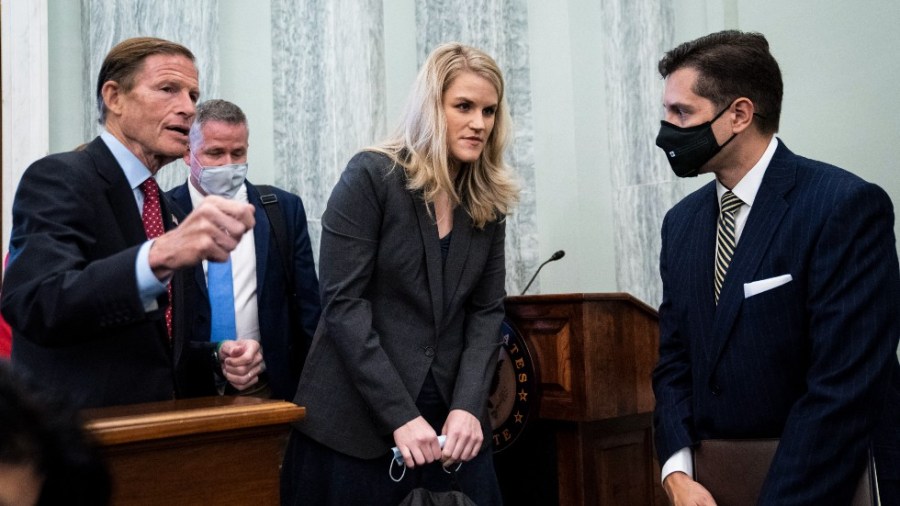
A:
(682, 460)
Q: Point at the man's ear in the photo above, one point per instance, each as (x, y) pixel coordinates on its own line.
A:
(742, 114)
(112, 92)
(187, 155)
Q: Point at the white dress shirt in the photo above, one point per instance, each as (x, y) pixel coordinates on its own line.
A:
(243, 272)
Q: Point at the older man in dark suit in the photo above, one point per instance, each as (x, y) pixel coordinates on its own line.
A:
(94, 254)
(780, 290)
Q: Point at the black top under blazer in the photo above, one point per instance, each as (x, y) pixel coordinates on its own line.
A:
(392, 312)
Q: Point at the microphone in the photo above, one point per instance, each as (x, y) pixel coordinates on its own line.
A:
(556, 256)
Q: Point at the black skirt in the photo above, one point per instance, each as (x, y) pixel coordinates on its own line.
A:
(313, 474)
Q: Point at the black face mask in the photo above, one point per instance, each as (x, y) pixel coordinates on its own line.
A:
(688, 149)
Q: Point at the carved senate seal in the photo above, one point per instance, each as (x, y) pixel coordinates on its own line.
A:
(512, 392)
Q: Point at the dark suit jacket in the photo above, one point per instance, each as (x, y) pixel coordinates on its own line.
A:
(70, 291)
(812, 361)
(284, 337)
(391, 312)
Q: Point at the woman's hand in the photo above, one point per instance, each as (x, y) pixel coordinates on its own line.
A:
(417, 443)
(464, 437)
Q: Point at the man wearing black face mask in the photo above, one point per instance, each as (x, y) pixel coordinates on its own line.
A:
(257, 312)
(780, 287)
(689, 148)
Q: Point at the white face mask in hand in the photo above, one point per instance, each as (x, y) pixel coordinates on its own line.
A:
(397, 460)
(222, 180)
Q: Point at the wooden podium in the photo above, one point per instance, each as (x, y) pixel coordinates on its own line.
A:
(211, 450)
(593, 355)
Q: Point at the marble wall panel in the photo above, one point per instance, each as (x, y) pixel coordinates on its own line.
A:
(193, 24)
(640, 210)
(500, 28)
(329, 93)
(637, 33)
(24, 136)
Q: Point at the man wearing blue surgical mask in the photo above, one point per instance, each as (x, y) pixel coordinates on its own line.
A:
(780, 289)
(255, 313)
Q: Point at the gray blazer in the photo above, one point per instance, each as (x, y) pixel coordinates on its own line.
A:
(391, 312)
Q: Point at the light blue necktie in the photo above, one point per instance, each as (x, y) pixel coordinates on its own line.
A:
(221, 300)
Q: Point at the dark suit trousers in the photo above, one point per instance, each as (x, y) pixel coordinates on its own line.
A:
(887, 467)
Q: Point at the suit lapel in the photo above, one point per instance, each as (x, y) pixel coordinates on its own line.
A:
(700, 242)
(179, 204)
(768, 210)
(171, 214)
(119, 192)
(181, 196)
(429, 234)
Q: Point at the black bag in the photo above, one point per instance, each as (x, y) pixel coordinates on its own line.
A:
(283, 243)
(425, 497)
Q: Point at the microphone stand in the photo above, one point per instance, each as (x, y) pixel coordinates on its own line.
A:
(556, 256)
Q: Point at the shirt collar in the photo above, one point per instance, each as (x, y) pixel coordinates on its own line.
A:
(748, 186)
(135, 171)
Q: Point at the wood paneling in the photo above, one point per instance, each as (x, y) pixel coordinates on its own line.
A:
(215, 450)
(594, 355)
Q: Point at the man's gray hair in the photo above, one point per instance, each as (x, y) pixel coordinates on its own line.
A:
(216, 110)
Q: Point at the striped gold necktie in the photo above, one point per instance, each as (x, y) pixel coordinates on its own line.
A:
(725, 238)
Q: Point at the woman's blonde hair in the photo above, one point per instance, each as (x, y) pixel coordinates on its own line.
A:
(486, 188)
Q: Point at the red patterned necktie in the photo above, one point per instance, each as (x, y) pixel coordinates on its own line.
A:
(153, 227)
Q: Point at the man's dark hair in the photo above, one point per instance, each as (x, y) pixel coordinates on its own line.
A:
(730, 65)
(39, 430)
(125, 60)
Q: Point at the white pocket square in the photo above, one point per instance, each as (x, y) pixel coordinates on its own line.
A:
(764, 285)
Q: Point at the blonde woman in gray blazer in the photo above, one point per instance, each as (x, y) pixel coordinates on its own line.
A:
(412, 272)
